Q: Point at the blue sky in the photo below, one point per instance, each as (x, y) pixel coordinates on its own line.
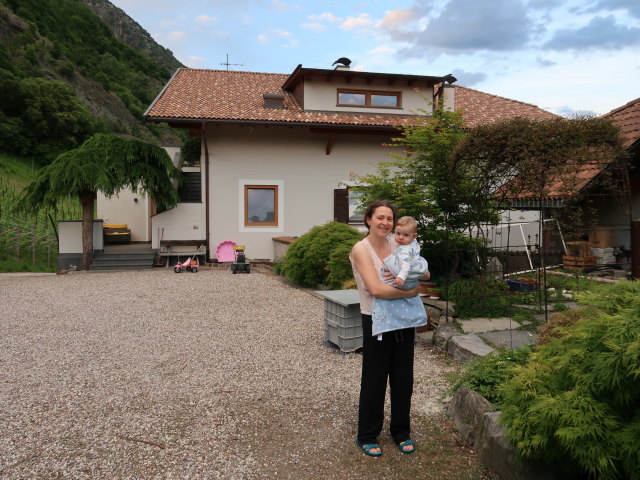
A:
(566, 56)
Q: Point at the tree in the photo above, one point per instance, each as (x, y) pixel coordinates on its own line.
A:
(430, 182)
(454, 181)
(105, 163)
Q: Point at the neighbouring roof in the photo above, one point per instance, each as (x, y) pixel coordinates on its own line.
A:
(627, 117)
(480, 108)
(195, 95)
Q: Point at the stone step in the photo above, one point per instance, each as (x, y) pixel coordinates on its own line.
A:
(123, 261)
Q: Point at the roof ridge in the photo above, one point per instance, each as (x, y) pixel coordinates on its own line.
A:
(242, 72)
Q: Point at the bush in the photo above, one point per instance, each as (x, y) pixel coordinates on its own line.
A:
(576, 405)
(485, 374)
(479, 297)
(321, 256)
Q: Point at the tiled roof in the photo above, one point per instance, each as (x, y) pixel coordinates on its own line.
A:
(223, 95)
(228, 95)
(627, 117)
(480, 108)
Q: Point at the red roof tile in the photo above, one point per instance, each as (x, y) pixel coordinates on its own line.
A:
(627, 117)
(228, 95)
(480, 108)
(223, 95)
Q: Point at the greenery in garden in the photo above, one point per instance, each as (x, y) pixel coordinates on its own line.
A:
(479, 297)
(64, 77)
(321, 256)
(105, 163)
(485, 374)
(452, 180)
(575, 405)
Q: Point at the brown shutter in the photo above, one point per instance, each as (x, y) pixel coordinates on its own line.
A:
(341, 205)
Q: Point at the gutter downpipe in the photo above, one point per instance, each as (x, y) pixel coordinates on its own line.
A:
(206, 187)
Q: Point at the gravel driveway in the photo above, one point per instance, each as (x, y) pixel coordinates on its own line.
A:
(150, 374)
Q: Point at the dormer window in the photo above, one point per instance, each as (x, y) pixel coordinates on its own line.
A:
(369, 98)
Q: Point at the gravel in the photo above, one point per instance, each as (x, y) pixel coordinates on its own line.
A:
(151, 374)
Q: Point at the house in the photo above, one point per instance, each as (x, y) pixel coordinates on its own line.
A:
(278, 150)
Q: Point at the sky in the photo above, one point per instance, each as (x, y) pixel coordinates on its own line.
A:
(566, 56)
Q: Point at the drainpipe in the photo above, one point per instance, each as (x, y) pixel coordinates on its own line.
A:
(635, 249)
(206, 187)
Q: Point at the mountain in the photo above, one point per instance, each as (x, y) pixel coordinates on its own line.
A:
(65, 74)
(128, 31)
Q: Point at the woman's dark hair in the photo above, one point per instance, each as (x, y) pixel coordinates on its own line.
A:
(368, 214)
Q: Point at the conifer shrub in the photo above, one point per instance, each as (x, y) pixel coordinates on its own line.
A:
(310, 257)
(576, 405)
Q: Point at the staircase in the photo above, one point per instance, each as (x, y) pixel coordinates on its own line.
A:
(123, 260)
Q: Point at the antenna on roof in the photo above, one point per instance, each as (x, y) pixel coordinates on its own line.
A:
(227, 63)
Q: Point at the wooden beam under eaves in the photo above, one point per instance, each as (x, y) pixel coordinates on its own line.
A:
(329, 143)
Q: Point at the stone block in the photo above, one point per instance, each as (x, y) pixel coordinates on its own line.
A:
(466, 409)
(465, 347)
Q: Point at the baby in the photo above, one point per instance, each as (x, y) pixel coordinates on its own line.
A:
(408, 266)
(408, 249)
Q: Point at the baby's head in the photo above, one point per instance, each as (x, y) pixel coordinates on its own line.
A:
(406, 230)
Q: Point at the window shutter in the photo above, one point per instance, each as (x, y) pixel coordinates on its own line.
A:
(341, 205)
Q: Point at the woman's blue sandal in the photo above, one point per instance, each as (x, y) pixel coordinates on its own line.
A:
(402, 446)
(368, 447)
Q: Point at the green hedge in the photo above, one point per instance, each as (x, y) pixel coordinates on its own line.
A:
(576, 405)
(321, 256)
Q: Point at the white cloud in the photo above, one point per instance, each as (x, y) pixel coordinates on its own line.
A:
(361, 21)
(326, 16)
(397, 18)
(205, 20)
(262, 38)
(292, 43)
(174, 36)
(282, 33)
(382, 49)
(195, 62)
(316, 27)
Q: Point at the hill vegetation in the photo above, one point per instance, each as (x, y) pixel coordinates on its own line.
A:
(64, 76)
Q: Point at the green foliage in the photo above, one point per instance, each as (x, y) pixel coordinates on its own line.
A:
(339, 266)
(575, 405)
(485, 374)
(64, 40)
(191, 151)
(479, 297)
(308, 259)
(105, 163)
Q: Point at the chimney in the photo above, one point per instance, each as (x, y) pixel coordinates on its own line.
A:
(342, 67)
(273, 100)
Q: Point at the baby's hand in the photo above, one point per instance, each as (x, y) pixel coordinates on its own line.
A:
(398, 282)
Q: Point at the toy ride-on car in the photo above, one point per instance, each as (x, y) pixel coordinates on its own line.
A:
(240, 264)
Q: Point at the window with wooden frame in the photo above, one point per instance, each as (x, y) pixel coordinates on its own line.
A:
(369, 98)
(260, 205)
(346, 206)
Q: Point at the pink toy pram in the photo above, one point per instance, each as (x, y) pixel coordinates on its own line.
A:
(191, 264)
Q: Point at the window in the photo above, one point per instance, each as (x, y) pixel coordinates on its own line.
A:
(364, 98)
(260, 205)
(346, 206)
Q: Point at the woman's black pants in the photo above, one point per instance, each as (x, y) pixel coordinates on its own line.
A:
(388, 359)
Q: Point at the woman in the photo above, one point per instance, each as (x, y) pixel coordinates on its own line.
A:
(391, 357)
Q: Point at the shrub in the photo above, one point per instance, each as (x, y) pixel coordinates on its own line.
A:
(309, 259)
(575, 405)
(479, 297)
(485, 374)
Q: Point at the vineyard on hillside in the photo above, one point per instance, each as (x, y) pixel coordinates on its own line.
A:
(30, 242)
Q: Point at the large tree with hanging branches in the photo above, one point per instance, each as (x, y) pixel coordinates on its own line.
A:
(105, 163)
